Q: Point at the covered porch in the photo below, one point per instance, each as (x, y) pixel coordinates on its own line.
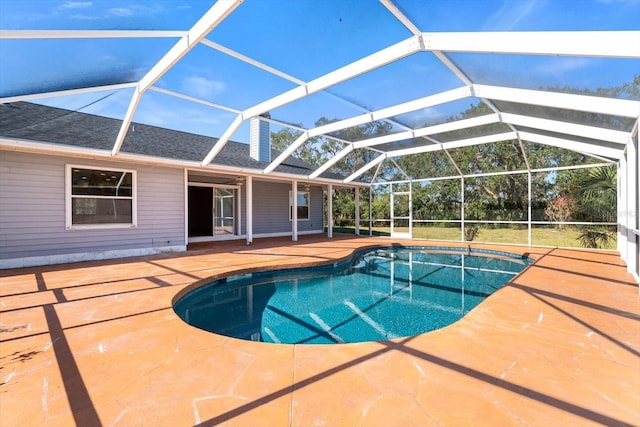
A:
(222, 207)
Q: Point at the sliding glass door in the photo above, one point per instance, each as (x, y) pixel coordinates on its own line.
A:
(224, 223)
(213, 212)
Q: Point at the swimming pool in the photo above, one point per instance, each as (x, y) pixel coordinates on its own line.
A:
(376, 294)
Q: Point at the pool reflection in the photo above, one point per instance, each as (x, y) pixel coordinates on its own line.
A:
(378, 294)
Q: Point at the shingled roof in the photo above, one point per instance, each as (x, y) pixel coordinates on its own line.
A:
(40, 123)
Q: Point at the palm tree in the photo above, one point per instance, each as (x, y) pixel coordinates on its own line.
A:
(596, 197)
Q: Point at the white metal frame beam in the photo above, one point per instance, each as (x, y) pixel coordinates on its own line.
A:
(89, 34)
(592, 132)
(285, 76)
(251, 61)
(425, 102)
(271, 70)
(391, 7)
(591, 104)
(593, 44)
(513, 172)
(430, 130)
(365, 168)
(44, 95)
(506, 136)
(194, 99)
(619, 44)
(537, 43)
(401, 170)
(527, 136)
(216, 14)
(375, 60)
(436, 147)
(332, 161)
(361, 66)
(445, 127)
(598, 150)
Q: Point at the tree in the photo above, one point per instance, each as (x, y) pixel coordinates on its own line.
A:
(559, 210)
(596, 194)
(596, 198)
(501, 197)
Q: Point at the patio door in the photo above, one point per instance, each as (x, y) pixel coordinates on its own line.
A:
(212, 212)
(401, 217)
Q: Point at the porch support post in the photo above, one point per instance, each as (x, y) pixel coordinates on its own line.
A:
(370, 211)
(622, 207)
(462, 209)
(294, 210)
(249, 198)
(186, 208)
(636, 226)
(529, 208)
(357, 204)
(410, 208)
(330, 211)
(632, 203)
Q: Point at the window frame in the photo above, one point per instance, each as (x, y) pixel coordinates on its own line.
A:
(68, 189)
(308, 205)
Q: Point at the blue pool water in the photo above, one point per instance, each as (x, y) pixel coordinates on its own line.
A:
(375, 295)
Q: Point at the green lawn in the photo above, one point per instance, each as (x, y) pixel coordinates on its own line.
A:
(542, 236)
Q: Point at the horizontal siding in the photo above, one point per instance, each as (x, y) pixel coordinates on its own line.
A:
(317, 212)
(271, 209)
(32, 218)
(32, 200)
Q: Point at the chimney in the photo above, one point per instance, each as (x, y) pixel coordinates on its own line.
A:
(260, 139)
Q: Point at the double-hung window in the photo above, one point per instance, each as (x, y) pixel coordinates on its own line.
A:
(303, 205)
(100, 198)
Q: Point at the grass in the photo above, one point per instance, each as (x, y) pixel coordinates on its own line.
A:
(541, 236)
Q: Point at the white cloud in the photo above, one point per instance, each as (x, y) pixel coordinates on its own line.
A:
(562, 65)
(75, 5)
(135, 10)
(509, 16)
(427, 116)
(120, 11)
(202, 87)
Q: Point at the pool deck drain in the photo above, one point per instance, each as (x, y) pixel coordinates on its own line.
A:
(98, 343)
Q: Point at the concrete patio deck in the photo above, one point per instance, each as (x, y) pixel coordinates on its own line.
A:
(98, 343)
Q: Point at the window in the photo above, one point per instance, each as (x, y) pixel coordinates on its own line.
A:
(303, 205)
(100, 198)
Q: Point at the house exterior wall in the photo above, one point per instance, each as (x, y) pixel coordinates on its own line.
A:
(271, 210)
(32, 213)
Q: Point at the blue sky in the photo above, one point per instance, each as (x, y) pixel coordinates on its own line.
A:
(303, 38)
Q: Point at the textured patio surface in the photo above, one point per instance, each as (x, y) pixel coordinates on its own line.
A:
(98, 343)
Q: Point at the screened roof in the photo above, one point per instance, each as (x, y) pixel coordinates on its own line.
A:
(369, 82)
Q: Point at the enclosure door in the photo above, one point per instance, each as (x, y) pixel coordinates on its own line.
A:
(401, 217)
